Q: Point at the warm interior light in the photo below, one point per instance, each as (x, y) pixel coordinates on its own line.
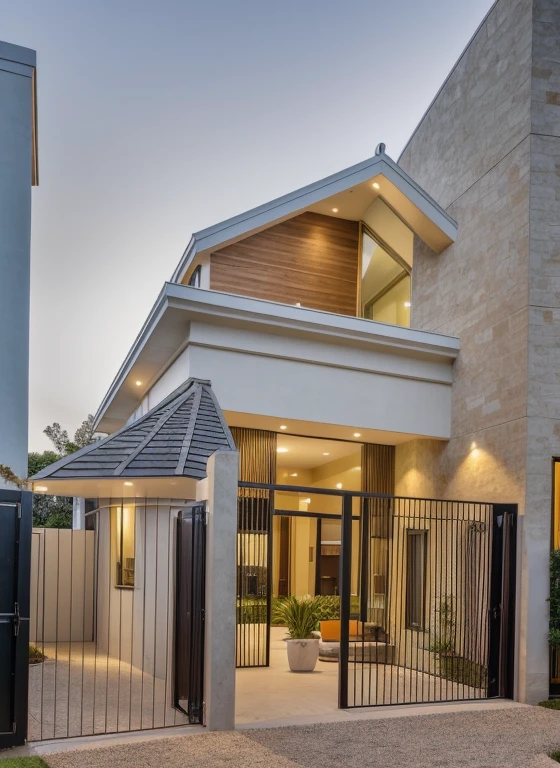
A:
(281, 450)
(306, 501)
(138, 383)
(40, 488)
(128, 483)
(293, 474)
(298, 303)
(339, 485)
(375, 185)
(357, 434)
(283, 426)
(407, 303)
(356, 469)
(335, 210)
(473, 446)
(326, 453)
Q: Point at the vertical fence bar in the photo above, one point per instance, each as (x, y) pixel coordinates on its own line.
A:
(495, 607)
(345, 579)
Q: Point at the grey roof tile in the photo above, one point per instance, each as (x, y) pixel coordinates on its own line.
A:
(173, 439)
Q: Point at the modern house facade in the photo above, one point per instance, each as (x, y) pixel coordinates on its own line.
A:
(390, 330)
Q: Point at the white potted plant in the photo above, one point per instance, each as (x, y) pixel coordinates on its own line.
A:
(300, 616)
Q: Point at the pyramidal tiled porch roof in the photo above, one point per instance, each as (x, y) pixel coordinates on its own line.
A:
(174, 439)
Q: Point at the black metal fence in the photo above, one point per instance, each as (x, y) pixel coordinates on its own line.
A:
(254, 582)
(101, 627)
(427, 594)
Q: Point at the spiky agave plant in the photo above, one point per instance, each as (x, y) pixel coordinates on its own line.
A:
(299, 615)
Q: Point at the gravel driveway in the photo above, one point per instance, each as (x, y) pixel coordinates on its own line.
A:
(519, 737)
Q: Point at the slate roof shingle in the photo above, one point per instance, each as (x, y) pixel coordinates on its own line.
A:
(174, 439)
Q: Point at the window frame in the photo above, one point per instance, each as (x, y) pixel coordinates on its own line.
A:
(119, 526)
(195, 278)
(366, 229)
(410, 609)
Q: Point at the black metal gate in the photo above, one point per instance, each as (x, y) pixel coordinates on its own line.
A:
(427, 593)
(15, 553)
(437, 602)
(189, 616)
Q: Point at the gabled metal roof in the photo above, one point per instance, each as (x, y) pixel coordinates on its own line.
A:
(174, 439)
(417, 209)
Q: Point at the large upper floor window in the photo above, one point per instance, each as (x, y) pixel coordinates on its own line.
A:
(385, 282)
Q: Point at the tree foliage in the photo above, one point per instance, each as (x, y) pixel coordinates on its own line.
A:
(554, 628)
(84, 435)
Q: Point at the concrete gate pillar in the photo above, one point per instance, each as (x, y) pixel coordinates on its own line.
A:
(219, 489)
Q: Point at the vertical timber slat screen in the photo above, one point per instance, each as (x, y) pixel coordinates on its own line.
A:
(257, 464)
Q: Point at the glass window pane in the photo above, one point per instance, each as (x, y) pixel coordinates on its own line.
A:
(385, 286)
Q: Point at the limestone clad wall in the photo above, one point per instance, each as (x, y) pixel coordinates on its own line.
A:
(474, 153)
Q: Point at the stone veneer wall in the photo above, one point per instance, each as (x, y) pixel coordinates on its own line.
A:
(475, 154)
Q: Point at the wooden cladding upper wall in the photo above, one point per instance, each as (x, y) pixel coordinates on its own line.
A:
(311, 259)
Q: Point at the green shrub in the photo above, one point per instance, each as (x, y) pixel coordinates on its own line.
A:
(463, 671)
(550, 704)
(555, 756)
(554, 600)
(328, 607)
(36, 655)
(251, 610)
(299, 615)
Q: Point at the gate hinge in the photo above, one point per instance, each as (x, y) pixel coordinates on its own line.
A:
(16, 619)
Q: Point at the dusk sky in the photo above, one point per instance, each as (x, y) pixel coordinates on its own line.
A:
(157, 119)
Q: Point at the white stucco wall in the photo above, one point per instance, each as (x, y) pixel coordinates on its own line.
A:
(297, 378)
(16, 121)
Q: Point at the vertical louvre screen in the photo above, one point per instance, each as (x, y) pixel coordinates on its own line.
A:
(257, 464)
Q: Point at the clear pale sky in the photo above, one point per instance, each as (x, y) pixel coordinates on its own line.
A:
(157, 119)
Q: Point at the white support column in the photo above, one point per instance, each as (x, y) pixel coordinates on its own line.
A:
(220, 489)
(78, 513)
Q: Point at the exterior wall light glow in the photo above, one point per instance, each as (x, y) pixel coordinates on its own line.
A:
(407, 303)
(339, 486)
(375, 185)
(357, 434)
(335, 210)
(306, 501)
(129, 483)
(138, 383)
(283, 426)
(281, 450)
(41, 488)
(326, 453)
(293, 474)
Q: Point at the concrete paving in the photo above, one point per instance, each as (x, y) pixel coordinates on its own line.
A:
(274, 693)
(80, 691)
(494, 737)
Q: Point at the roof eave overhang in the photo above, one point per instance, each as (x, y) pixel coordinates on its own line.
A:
(417, 209)
(178, 304)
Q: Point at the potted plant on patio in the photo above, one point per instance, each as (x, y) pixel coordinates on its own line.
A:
(300, 616)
